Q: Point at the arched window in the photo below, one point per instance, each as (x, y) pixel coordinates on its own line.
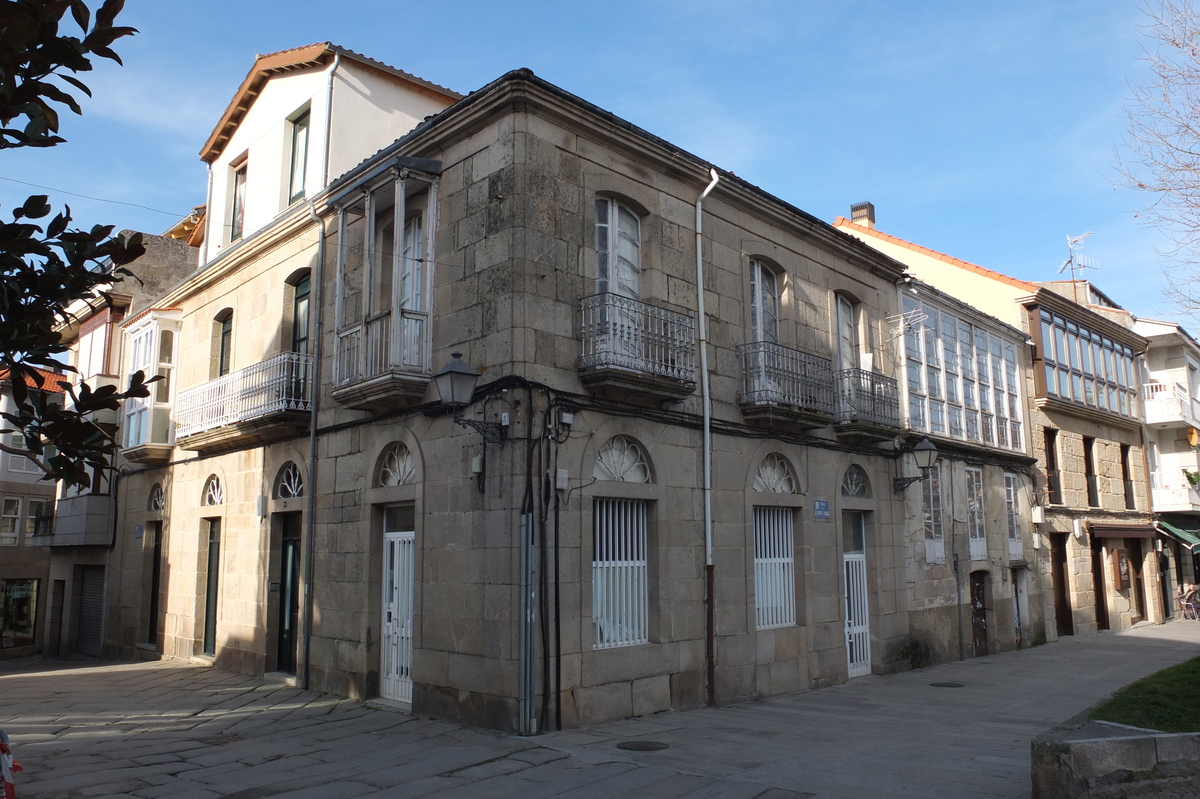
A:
(158, 501)
(396, 466)
(213, 494)
(289, 483)
(622, 459)
(301, 292)
(764, 303)
(855, 483)
(223, 342)
(775, 475)
(618, 249)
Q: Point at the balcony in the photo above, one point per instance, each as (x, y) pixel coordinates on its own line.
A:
(782, 385)
(636, 351)
(1170, 405)
(380, 365)
(1173, 492)
(80, 520)
(1016, 550)
(868, 405)
(265, 402)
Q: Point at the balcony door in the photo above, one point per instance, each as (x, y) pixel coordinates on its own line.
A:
(858, 622)
(619, 272)
(764, 322)
(396, 639)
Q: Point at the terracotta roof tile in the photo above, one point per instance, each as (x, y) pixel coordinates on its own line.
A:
(845, 224)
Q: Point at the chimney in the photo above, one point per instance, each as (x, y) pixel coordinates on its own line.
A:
(863, 214)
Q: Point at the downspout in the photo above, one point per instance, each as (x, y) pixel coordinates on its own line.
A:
(310, 514)
(710, 643)
(337, 59)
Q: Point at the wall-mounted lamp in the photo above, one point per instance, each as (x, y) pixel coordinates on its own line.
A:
(925, 454)
(456, 387)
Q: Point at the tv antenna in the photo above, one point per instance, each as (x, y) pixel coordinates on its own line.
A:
(905, 322)
(1076, 262)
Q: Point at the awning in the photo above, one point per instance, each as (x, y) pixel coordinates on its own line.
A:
(1123, 530)
(1189, 538)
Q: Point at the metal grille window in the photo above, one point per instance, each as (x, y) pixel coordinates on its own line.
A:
(931, 508)
(962, 380)
(620, 596)
(976, 528)
(1085, 367)
(1012, 512)
(774, 568)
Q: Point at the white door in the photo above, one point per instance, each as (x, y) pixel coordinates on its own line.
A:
(395, 668)
(858, 627)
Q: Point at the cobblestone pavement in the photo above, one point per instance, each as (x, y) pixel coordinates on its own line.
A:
(178, 730)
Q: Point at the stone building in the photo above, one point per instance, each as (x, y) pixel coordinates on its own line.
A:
(83, 577)
(26, 513)
(1085, 422)
(975, 563)
(655, 497)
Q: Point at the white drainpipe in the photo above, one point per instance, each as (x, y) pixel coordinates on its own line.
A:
(706, 401)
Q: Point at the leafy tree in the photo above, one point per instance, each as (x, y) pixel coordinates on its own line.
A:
(1162, 141)
(47, 269)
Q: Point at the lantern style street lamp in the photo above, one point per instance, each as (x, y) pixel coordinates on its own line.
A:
(455, 385)
(926, 455)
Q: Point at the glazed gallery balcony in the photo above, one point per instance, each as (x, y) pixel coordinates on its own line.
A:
(382, 365)
(264, 402)
(635, 350)
(782, 385)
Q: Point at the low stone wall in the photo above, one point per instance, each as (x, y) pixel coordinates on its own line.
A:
(1112, 761)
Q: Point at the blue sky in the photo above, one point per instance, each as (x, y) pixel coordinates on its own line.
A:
(987, 130)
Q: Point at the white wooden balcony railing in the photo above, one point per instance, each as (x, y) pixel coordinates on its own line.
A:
(776, 375)
(1016, 549)
(1170, 403)
(376, 347)
(867, 397)
(281, 383)
(630, 334)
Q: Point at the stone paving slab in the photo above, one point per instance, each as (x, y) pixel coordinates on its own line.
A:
(179, 730)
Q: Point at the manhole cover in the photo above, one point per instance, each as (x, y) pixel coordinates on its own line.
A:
(948, 684)
(642, 746)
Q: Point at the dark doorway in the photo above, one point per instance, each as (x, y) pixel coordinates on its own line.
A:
(91, 610)
(211, 585)
(1137, 596)
(979, 634)
(289, 591)
(156, 567)
(1101, 590)
(1062, 588)
(1164, 583)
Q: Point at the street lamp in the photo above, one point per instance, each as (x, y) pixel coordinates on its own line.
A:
(456, 387)
(925, 454)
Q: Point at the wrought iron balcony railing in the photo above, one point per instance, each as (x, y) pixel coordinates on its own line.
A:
(867, 398)
(776, 375)
(281, 383)
(629, 334)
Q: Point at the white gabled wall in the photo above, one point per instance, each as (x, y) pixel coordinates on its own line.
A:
(264, 138)
(393, 108)
(370, 110)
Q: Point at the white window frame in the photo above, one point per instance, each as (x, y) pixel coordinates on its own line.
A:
(1086, 368)
(1012, 511)
(976, 514)
(147, 353)
(961, 380)
(300, 125)
(618, 249)
(620, 579)
(19, 463)
(10, 521)
(933, 513)
(764, 303)
(239, 174)
(774, 567)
